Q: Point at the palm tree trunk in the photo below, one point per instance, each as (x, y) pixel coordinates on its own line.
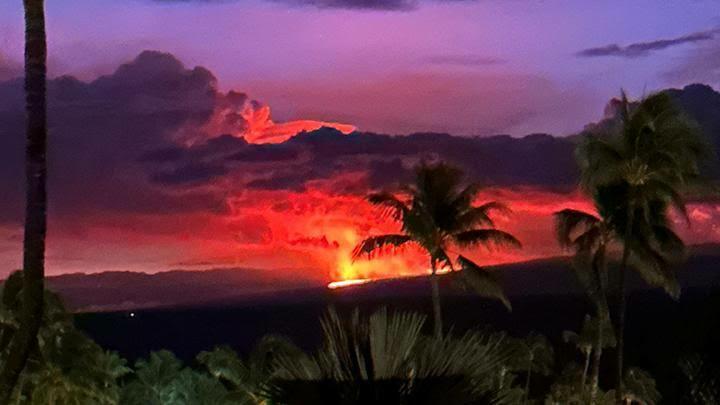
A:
(36, 198)
(586, 367)
(437, 311)
(501, 382)
(602, 316)
(622, 303)
(595, 375)
(527, 382)
(597, 357)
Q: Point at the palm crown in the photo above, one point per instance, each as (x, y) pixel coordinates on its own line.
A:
(438, 215)
(636, 175)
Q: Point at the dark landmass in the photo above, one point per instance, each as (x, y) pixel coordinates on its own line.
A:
(119, 290)
(114, 291)
(544, 296)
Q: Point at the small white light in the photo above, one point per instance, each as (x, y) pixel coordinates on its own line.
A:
(132, 314)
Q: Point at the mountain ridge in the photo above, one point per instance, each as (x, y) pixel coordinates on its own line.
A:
(111, 291)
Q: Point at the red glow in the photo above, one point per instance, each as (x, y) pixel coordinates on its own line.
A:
(309, 235)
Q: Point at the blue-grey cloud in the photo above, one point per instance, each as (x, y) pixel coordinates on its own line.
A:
(640, 49)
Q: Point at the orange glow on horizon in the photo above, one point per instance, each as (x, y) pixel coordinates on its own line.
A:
(347, 283)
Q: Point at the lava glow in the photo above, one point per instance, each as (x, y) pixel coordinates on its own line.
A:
(347, 283)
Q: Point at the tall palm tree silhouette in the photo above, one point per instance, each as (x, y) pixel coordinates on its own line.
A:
(36, 199)
(437, 216)
(635, 175)
(590, 237)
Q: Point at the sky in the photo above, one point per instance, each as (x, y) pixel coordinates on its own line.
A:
(302, 57)
(144, 181)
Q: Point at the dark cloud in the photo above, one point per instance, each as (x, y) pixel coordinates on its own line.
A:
(97, 130)
(190, 174)
(645, 48)
(266, 153)
(463, 60)
(386, 161)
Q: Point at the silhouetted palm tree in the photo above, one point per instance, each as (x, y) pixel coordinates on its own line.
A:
(36, 200)
(589, 237)
(437, 216)
(584, 341)
(536, 356)
(596, 334)
(635, 175)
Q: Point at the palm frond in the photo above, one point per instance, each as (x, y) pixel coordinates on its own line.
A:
(392, 205)
(482, 281)
(442, 257)
(392, 339)
(377, 244)
(465, 197)
(601, 160)
(569, 221)
(223, 363)
(490, 238)
(669, 242)
(588, 240)
(654, 267)
(659, 189)
(386, 357)
(481, 215)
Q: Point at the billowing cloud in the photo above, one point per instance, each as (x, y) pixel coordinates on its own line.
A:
(640, 49)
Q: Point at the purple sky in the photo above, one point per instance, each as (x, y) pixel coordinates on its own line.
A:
(466, 67)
